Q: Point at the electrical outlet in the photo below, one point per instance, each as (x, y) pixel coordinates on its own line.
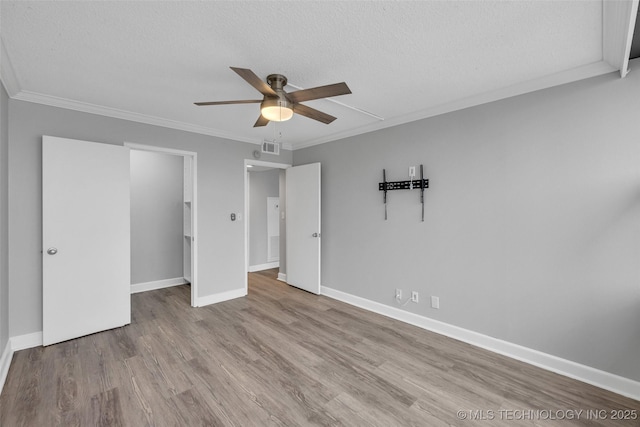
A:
(414, 296)
(398, 294)
(412, 171)
(435, 302)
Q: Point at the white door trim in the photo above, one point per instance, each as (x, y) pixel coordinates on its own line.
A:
(246, 209)
(194, 205)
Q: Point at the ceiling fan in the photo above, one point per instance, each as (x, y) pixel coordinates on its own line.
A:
(278, 105)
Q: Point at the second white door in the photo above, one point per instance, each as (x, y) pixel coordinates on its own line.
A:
(303, 227)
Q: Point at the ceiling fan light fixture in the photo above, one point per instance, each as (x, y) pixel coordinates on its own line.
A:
(276, 110)
(277, 105)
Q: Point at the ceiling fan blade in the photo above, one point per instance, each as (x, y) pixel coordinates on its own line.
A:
(248, 101)
(261, 121)
(319, 92)
(312, 113)
(255, 81)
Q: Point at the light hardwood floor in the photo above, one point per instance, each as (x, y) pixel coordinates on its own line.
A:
(282, 356)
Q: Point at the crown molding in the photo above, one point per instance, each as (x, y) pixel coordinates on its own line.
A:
(85, 107)
(7, 74)
(580, 73)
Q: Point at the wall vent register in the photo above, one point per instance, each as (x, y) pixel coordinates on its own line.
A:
(271, 147)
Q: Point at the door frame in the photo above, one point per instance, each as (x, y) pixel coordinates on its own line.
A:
(252, 162)
(194, 206)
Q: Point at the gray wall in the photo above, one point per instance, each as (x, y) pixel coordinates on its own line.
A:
(532, 219)
(157, 224)
(261, 185)
(221, 242)
(4, 222)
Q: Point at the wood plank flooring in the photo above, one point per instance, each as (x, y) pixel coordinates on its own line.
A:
(284, 357)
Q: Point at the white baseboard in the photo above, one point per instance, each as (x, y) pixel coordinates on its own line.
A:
(568, 368)
(25, 341)
(282, 277)
(5, 362)
(260, 267)
(157, 284)
(220, 297)
(20, 342)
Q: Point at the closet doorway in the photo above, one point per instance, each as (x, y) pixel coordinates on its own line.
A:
(179, 197)
(265, 217)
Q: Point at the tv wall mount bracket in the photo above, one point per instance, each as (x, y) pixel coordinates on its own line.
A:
(418, 184)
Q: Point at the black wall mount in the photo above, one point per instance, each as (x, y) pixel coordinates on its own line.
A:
(403, 185)
(418, 184)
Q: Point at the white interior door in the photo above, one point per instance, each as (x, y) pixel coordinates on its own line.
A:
(86, 238)
(303, 227)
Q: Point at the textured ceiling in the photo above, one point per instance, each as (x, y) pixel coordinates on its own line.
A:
(149, 61)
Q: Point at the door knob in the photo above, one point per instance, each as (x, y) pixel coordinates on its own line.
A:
(315, 235)
(52, 251)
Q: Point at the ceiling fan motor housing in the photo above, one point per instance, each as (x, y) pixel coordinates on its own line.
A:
(277, 83)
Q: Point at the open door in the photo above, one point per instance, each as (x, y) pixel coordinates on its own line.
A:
(303, 227)
(86, 238)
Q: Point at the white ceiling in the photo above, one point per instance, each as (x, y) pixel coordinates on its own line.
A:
(149, 60)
